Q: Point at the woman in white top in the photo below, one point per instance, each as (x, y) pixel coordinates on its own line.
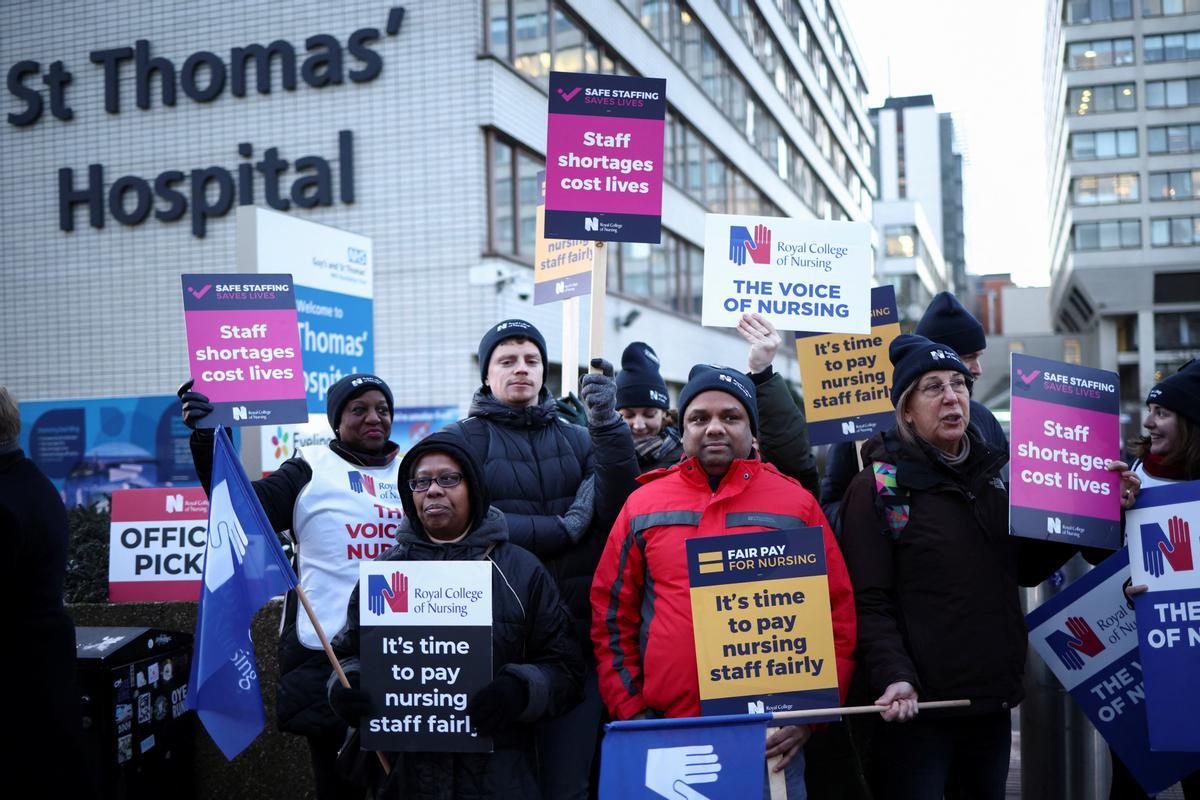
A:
(341, 504)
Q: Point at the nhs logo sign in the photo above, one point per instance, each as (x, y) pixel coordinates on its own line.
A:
(591, 223)
(1053, 524)
(848, 427)
(240, 413)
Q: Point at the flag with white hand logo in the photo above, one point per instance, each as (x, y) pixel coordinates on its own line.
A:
(696, 758)
(244, 567)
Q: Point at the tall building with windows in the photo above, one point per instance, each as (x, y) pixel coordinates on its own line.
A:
(919, 211)
(446, 114)
(1123, 145)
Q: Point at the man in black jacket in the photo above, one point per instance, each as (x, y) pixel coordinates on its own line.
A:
(948, 323)
(560, 487)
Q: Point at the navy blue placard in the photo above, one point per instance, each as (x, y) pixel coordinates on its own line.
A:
(595, 95)
(1063, 384)
(603, 227)
(237, 290)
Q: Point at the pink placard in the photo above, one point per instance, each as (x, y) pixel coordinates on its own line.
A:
(237, 356)
(624, 177)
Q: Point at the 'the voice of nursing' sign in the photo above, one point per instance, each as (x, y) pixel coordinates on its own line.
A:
(604, 152)
(803, 275)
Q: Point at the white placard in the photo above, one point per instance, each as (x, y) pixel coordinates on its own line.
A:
(431, 593)
(803, 275)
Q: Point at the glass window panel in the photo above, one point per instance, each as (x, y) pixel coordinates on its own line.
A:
(1193, 139)
(1127, 142)
(568, 44)
(1177, 94)
(635, 268)
(502, 211)
(1102, 98)
(1127, 188)
(1087, 236)
(1083, 146)
(1106, 144)
(1181, 230)
(1080, 55)
(1110, 235)
(498, 29)
(1152, 49)
(1192, 46)
(1193, 91)
(1156, 140)
(1101, 54)
(1131, 233)
(1122, 9)
(1085, 193)
(695, 262)
(1156, 94)
(532, 56)
(1122, 52)
(1100, 11)
(693, 176)
(1159, 187)
(1160, 232)
(1078, 12)
(527, 196)
(716, 193)
(1126, 97)
(1174, 47)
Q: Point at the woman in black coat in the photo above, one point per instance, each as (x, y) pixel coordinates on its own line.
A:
(537, 666)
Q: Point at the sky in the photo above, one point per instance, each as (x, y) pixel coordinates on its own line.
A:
(982, 62)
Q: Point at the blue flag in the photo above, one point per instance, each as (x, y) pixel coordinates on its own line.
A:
(718, 758)
(244, 567)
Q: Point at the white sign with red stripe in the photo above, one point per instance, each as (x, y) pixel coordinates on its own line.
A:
(156, 544)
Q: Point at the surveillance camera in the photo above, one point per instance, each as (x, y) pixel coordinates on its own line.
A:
(523, 289)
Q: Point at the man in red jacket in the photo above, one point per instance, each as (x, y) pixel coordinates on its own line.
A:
(641, 606)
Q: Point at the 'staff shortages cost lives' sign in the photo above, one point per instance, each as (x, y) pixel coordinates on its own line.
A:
(604, 153)
(762, 622)
(1064, 429)
(244, 347)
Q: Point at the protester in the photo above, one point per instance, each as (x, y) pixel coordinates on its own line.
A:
(935, 573)
(43, 696)
(645, 405)
(538, 671)
(783, 430)
(1168, 453)
(318, 495)
(947, 323)
(560, 486)
(641, 607)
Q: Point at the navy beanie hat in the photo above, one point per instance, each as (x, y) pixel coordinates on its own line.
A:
(1180, 392)
(509, 329)
(707, 377)
(912, 356)
(640, 385)
(948, 323)
(349, 388)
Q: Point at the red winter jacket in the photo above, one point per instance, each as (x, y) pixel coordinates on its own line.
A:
(641, 606)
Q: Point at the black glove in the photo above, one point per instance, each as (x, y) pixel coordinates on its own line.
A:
(350, 704)
(599, 393)
(498, 704)
(569, 409)
(195, 405)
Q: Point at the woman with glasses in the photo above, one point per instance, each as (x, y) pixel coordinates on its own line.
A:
(340, 504)
(935, 575)
(537, 667)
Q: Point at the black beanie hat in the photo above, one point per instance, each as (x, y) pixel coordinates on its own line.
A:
(349, 388)
(912, 356)
(948, 323)
(707, 377)
(509, 329)
(451, 445)
(640, 385)
(1180, 392)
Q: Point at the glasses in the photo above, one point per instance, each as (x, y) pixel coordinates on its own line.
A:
(935, 390)
(447, 480)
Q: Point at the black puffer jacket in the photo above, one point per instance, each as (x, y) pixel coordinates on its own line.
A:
(533, 465)
(531, 640)
(937, 603)
(841, 464)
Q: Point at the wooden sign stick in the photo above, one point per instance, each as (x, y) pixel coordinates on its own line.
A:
(599, 287)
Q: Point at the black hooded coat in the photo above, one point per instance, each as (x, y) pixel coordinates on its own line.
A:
(531, 640)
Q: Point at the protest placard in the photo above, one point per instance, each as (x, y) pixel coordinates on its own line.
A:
(1088, 637)
(562, 268)
(333, 273)
(803, 275)
(1164, 554)
(1064, 428)
(761, 621)
(156, 544)
(244, 348)
(604, 154)
(426, 647)
(847, 379)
